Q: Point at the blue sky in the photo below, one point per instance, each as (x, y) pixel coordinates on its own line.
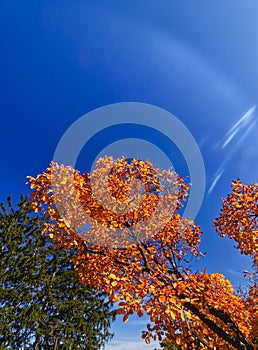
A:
(197, 60)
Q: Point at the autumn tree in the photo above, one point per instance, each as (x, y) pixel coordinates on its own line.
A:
(43, 305)
(124, 218)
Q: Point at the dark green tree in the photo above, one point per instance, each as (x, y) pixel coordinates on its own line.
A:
(42, 303)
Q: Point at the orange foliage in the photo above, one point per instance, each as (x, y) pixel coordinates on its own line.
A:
(239, 218)
(134, 245)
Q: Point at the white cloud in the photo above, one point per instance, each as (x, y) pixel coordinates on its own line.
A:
(215, 180)
(240, 129)
(139, 322)
(128, 344)
(127, 336)
(242, 122)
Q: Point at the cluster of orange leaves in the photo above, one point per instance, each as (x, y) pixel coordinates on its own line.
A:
(133, 244)
(239, 218)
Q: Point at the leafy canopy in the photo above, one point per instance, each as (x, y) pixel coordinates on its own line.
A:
(124, 218)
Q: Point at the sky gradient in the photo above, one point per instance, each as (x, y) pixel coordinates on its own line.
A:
(197, 60)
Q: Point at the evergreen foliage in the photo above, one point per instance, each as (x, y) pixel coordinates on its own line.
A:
(42, 303)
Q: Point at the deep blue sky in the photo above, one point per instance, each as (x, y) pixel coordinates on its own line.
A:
(198, 60)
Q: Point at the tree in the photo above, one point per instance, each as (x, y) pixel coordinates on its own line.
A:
(138, 246)
(43, 305)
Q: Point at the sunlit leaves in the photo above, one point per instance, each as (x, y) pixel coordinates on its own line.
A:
(239, 218)
(137, 246)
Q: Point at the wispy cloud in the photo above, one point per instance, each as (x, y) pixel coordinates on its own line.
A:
(240, 130)
(234, 272)
(242, 122)
(139, 322)
(215, 180)
(127, 344)
(128, 336)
